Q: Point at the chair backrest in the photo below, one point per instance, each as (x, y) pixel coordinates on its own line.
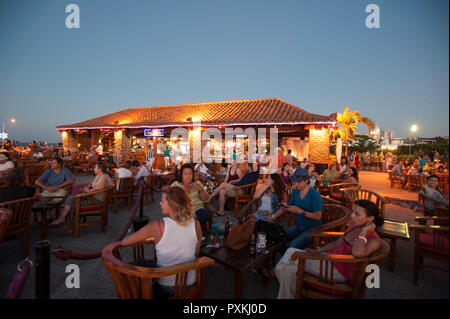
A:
(438, 240)
(5, 219)
(354, 194)
(134, 282)
(335, 217)
(324, 285)
(125, 184)
(21, 214)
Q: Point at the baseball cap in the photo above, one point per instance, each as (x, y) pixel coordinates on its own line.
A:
(300, 174)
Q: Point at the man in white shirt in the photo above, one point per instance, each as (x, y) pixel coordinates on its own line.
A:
(124, 171)
(143, 171)
(99, 150)
(201, 167)
(5, 165)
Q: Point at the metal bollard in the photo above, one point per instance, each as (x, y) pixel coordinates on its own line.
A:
(42, 281)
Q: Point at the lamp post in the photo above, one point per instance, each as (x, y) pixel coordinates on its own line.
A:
(4, 135)
(413, 129)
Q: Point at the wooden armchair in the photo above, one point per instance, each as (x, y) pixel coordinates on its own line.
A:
(92, 210)
(5, 219)
(33, 172)
(135, 282)
(414, 182)
(430, 242)
(123, 189)
(324, 286)
(247, 195)
(21, 220)
(395, 179)
(354, 194)
(335, 218)
(337, 191)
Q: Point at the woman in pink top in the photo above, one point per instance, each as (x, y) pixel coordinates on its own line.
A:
(359, 240)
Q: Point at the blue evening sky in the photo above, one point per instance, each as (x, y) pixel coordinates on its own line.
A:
(316, 54)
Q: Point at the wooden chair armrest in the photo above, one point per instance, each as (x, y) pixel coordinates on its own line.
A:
(324, 227)
(91, 193)
(324, 257)
(426, 227)
(328, 234)
(237, 188)
(418, 218)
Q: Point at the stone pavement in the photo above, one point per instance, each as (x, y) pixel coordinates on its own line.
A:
(96, 282)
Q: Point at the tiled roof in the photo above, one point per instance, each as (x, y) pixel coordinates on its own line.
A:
(226, 113)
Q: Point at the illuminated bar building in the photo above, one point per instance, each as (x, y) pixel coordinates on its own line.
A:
(127, 134)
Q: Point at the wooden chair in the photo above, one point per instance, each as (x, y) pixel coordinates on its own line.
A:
(431, 242)
(414, 182)
(135, 282)
(336, 191)
(335, 218)
(33, 172)
(21, 220)
(354, 194)
(247, 195)
(395, 179)
(5, 219)
(123, 189)
(324, 286)
(93, 210)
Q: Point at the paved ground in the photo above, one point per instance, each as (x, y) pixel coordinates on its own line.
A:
(96, 282)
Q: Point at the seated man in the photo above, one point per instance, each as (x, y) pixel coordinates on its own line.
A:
(141, 169)
(201, 168)
(398, 169)
(55, 179)
(306, 204)
(6, 165)
(227, 189)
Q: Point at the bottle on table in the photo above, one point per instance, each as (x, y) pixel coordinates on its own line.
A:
(252, 248)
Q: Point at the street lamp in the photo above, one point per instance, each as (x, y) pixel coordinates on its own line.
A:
(4, 135)
(413, 130)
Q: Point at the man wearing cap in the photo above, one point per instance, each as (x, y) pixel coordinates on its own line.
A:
(306, 203)
(5, 165)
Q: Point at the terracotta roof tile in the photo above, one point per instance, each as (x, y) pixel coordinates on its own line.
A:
(271, 110)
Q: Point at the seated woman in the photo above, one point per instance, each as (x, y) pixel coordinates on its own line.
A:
(101, 181)
(196, 193)
(285, 174)
(353, 177)
(344, 168)
(359, 240)
(16, 188)
(271, 195)
(177, 237)
(234, 175)
(314, 176)
(330, 175)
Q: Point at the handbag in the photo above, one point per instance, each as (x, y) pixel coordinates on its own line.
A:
(275, 233)
(241, 234)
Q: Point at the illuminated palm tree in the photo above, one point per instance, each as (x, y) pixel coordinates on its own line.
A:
(349, 122)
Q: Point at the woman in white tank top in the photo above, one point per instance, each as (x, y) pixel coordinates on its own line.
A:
(177, 237)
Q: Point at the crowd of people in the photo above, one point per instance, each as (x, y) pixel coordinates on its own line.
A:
(290, 189)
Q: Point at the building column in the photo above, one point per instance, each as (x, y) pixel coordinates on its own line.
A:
(319, 145)
(69, 141)
(122, 146)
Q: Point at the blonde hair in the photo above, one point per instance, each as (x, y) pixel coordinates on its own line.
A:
(180, 203)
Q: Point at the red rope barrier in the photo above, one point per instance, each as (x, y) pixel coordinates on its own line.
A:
(20, 278)
(65, 254)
